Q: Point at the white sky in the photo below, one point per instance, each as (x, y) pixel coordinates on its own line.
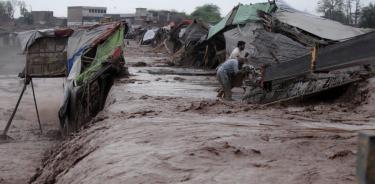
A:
(128, 6)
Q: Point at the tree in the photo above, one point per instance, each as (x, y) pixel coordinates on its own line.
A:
(357, 11)
(6, 11)
(368, 16)
(348, 6)
(23, 9)
(208, 12)
(10, 9)
(26, 16)
(332, 9)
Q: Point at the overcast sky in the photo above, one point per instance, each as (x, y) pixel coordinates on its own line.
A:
(128, 6)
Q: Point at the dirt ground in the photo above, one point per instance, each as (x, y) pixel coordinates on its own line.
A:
(165, 125)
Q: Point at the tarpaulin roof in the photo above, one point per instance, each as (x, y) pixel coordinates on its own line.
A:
(27, 38)
(318, 26)
(241, 14)
(194, 32)
(104, 52)
(81, 40)
(315, 25)
(264, 47)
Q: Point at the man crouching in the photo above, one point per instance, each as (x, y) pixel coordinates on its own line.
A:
(226, 73)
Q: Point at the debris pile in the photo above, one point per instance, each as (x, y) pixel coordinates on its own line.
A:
(188, 49)
(296, 54)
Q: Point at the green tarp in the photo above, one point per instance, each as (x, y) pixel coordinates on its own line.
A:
(104, 51)
(241, 14)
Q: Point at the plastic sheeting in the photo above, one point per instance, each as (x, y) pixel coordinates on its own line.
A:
(78, 43)
(194, 32)
(150, 35)
(318, 26)
(104, 52)
(241, 14)
(264, 47)
(355, 52)
(27, 38)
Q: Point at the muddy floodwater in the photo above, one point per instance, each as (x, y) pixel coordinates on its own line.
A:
(165, 125)
(21, 156)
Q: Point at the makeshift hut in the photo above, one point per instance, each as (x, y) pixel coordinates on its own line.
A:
(173, 42)
(274, 33)
(95, 57)
(192, 51)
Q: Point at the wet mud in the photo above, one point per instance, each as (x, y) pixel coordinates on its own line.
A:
(169, 128)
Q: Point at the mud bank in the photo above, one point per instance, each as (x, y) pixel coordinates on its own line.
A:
(20, 157)
(171, 129)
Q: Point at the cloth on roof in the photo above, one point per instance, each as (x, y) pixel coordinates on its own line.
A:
(78, 43)
(240, 15)
(264, 47)
(104, 51)
(27, 38)
(318, 26)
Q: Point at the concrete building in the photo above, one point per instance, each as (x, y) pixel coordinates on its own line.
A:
(128, 17)
(42, 17)
(85, 15)
(157, 17)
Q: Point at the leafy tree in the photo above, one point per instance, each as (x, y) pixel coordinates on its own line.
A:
(10, 9)
(357, 11)
(6, 11)
(333, 9)
(368, 16)
(208, 12)
(26, 16)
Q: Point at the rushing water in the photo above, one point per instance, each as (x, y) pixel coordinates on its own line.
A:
(12, 60)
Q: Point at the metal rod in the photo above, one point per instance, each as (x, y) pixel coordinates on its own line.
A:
(36, 106)
(14, 111)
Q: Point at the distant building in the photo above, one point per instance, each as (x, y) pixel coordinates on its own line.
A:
(157, 17)
(85, 15)
(128, 17)
(42, 17)
(61, 21)
(141, 12)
